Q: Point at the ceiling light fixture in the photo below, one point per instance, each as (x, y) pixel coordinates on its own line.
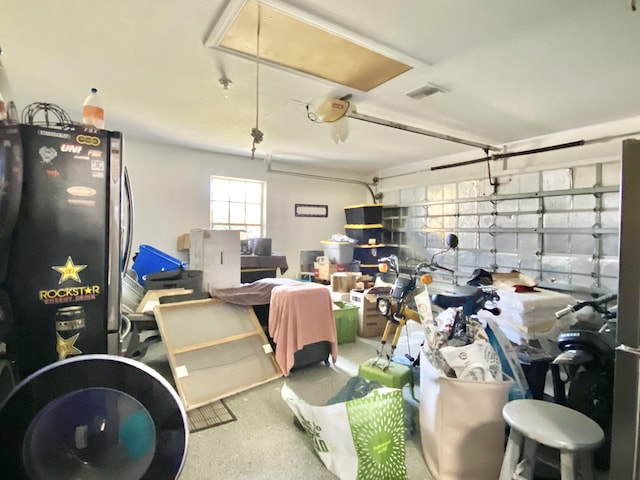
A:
(226, 85)
(334, 111)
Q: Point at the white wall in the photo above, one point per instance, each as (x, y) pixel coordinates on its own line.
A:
(171, 195)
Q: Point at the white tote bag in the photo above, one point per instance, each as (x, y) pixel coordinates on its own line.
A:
(461, 425)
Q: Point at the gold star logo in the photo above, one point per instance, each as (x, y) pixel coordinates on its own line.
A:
(67, 347)
(69, 270)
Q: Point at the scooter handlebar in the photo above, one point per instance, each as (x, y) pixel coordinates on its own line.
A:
(432, 266)
(606, 298)
(564, 311)
(609, 297)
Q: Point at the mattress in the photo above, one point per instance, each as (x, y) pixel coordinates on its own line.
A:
(255, 293)
(527, 315)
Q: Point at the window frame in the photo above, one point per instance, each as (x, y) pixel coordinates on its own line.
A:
(229, 225)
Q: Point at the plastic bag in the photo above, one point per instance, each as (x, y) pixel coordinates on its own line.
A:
(475, 361)
(509, 360)
(361, 439)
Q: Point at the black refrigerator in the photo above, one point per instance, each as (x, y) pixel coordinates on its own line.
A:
(625, 442)
(65, 255)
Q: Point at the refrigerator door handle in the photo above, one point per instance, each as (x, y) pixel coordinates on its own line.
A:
(129, 232)
(626, 348)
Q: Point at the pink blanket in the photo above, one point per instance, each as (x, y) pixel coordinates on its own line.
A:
(300, 314)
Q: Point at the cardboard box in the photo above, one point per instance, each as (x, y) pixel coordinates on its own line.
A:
(183, 243)
(217, 254)
(370, 322)
(363, 299)
(323, 271)
(344, 282)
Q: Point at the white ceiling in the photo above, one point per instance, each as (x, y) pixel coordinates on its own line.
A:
(514, 69)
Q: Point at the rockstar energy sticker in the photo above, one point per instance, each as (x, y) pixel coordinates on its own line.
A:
(70, 322)
(66, 347)
(69, 270)
(67, 294)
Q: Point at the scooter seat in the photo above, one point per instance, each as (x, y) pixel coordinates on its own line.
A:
(599, 343)
(471, 298)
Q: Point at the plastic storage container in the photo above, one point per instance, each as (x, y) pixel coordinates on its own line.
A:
(362, 214)
(369, 254)
(152, 260)
(180, 278)
(346, 317)
(369, 269)
(92, 111)
(307, 258)
(260, 246)
(365, 234)
(338, 252)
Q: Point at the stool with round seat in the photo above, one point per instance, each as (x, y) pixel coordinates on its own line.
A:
(536, 422)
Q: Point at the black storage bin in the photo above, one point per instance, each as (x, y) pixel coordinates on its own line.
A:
(251, 275)
(180, 278)
(311, 354)
(365, 234)
(371, 254)
(357, 214)
(260, 246)
(183, 297)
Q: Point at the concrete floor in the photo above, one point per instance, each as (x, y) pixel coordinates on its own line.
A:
(264, 443)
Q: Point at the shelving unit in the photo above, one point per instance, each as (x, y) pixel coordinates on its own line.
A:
(394, 220)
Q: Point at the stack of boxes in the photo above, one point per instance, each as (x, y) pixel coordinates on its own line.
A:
(370, 322)
(338, 257)
(364, 224)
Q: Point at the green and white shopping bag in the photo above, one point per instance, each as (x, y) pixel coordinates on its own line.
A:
(360, 439)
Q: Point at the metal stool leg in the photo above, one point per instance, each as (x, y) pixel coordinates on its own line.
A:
(511, 455)
(583, 465)
(567, 466)
(528, 458)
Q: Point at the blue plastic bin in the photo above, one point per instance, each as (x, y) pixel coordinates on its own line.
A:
(152, 260)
